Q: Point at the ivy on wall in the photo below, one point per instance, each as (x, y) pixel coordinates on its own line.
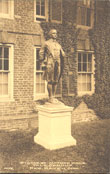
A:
(100, 36)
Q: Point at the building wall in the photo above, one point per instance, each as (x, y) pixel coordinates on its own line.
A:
(24, 34)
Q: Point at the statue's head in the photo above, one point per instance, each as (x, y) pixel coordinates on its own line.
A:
(53, 33)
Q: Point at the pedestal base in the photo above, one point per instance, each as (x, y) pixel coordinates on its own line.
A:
(56, 143)
(54, 126)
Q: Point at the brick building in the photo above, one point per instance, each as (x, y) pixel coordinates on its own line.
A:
(24, 25)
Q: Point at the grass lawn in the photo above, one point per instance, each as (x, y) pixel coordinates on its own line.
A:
(90, 155)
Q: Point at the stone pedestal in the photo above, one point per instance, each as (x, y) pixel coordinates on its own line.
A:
(54, 126)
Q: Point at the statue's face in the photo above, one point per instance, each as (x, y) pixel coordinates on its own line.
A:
(54, 34)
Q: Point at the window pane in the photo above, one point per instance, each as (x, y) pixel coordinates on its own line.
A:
(37, 60)
(0, 52)
(85, 67)
(37, 65)
(83, 15)
(42, 80)
(40, 7)
(38, 77)
(38, 88)
(84, 62)
(37, 54)
(37, 7)
(6, 52)
(6, 66)
(42, 11)
(89, 67)
(89, 62)
(37, 10)
(89, 57)
(79, 57)
(83, 78)
(40, 83)
(84, 57)
(5, 89)
(79, 67)
(88, 21)
(0, 64)
(5, 78)
(84, 87)
(83, 82)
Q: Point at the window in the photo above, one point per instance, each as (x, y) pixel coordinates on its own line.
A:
(48, 10)
(85, 72)
(56, 11)
(40, 87)
(6, 72)
(6, 8)
(85, 13)
(41, 10)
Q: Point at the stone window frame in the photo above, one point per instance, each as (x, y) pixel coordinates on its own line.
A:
(92, 73)
(10, 14)
(86, 5)
(10, 71)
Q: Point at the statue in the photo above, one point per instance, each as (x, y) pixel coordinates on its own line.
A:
(52, 56)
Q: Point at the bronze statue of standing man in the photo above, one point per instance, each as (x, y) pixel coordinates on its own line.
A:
(52, 55)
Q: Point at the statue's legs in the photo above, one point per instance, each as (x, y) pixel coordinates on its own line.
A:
(54, 87)
(49, 88)
(52, 79)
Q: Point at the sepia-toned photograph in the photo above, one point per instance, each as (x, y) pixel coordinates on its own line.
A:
(55, 86)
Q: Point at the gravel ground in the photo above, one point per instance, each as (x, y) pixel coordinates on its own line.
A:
(19, 153)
